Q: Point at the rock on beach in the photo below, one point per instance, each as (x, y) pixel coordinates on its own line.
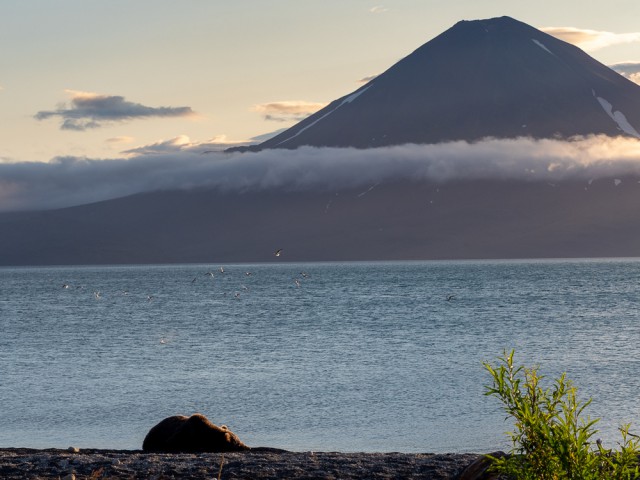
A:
(255, 464)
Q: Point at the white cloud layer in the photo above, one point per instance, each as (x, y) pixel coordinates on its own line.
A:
(591, 40)
(71, 181)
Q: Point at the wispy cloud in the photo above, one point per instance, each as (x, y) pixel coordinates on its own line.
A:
(631, 70)
(266, 136)
(171, 145)
(120, 140)
(287, 111)
(367, 79)
(378, 9)
(182, 143)
(69, 180)
(591, 40)
(93, 110)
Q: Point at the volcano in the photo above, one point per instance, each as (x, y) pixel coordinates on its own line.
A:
(484, 78)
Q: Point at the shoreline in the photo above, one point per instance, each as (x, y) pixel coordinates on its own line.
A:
(256, 464)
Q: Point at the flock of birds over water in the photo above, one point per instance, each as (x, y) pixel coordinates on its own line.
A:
(297, 281)
(220, 271)
(222, 276)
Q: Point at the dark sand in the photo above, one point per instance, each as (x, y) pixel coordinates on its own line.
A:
(258, 464)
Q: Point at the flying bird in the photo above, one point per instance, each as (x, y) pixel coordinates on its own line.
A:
(450, 297)
(278, 252)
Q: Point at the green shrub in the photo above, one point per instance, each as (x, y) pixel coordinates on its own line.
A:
(551, 439)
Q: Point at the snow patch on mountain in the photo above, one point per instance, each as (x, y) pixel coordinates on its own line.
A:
(305, 128)
(349, 99)
(617, 117)
(352, 97)
(542, 46)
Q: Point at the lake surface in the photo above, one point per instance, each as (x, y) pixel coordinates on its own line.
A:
(358, 357)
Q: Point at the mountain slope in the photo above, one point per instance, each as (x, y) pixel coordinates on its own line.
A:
(484, 78)
(394, 221)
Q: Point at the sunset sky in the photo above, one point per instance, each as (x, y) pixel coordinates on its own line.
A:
(107, 79)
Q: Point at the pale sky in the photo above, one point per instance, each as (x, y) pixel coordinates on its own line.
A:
(98, 78)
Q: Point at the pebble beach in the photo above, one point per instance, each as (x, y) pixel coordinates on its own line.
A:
(257, 464)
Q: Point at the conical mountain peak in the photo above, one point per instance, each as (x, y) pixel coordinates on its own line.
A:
(497, 77)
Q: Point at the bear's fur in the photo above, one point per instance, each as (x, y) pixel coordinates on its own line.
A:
(180, 434)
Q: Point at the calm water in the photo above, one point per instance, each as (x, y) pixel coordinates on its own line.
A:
(359, 357)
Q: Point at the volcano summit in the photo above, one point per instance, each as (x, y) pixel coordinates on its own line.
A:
(484, 78)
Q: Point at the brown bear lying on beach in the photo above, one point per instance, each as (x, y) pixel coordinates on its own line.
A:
(190, 435)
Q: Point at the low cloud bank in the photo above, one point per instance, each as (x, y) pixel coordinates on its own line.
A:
(67, 181)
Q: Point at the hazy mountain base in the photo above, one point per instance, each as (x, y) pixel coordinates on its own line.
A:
(392, 221)
(262, 464)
